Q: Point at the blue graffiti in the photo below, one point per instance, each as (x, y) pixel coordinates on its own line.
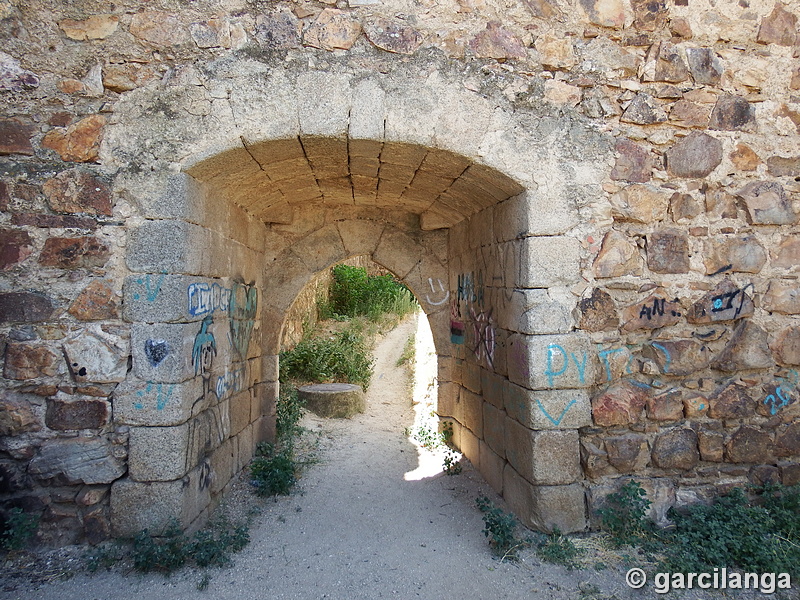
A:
(781, 397)
(551, 374)
(469, 289)
(204, 349)
(163, 395)
(561, 416)
(204, 298)
(151, 290)
(231, 381)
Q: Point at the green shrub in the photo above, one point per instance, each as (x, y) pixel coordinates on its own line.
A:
(273, 470)
(344, 357)
(558, 550)
(20, 527)
(289, 411)
(500, 527)
(625, 514)
(353, 293)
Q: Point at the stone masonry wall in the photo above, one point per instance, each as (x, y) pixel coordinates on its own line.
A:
(632, 313)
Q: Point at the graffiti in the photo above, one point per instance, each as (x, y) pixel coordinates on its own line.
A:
(163, 393)
(204, 298)
(657, 309)
(204, 349)
(556, 421)
(206, 475)
(781, 398)
(151, 290)
(230, 382)
(484, 340)
(604, 355)
(469, 289)
(456, 324)
(433, 291)
(241, 315)
(551, 354)
(726, 302)
(156, 351)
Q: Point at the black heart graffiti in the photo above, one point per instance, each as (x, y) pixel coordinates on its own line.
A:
(156, 351)
(241, 315)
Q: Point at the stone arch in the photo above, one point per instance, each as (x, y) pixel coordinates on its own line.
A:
(292, 175)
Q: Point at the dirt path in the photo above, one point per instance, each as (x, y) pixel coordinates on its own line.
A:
(357, 528)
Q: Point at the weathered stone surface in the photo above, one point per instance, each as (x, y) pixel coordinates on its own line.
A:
(74, 253)
(747, 349)
(704, 65)
(555, 52)
(695, 405)
(779, 27)
(711, 445)
(782, 297)
(649, 15)
(651, 313)
(629, 453)
(332, 30)
(67, 413)
(525, 450)
(24, 307)
(767, 203)
(695, 156)
(96, 302)
(29, 361)
(54, 221)
(676, 449)
(677, 357)
(598, 312)
(668, 251)
(786, 346)
(617, 257)
(158, 28)
(634, 162)
(77, 191)
(127, 76)
(393, 36)
(680, 27)
(764, 474)
(684, 207)
(787, 442)
(80, 142)
(77, 460)
(640, 204)
(643, 110)
(213, 33)
(732, 113)
(749, 445)
(726, 302)
(665, 407)
(13, 77)
(689, 114)
(731, 402)
(744, 158)
(17, 417)
(782, 166)
(622, 403)
(720, 204)
(15, 246)
(97, 357)
(670, 66)
(790, 473)
(737, 254)
(96, 27)
(558, 92)
(606, 13)
(278, 30)
(15, 137)
(787, 254)
(336, 400)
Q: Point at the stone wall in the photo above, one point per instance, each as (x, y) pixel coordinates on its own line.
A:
(594, 200)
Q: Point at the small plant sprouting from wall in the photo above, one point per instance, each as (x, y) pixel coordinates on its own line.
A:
(20, 527)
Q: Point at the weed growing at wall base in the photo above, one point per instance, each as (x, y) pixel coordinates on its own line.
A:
(500, 527)
(20, 527)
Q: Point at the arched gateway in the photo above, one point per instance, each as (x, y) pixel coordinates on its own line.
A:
(247, 180)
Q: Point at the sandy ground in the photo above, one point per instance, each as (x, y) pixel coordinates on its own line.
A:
(365, 522)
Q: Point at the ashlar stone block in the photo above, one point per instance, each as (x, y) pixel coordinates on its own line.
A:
(542, 362)
(545, 507)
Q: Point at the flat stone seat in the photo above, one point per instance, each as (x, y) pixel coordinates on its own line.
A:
(337, 400)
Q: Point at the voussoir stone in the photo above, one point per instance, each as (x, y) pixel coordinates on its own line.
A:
(337, 400)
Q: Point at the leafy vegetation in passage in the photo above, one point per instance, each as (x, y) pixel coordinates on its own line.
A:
(354, 293)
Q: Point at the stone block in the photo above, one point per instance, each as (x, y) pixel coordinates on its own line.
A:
(782, 297)
(711, 445)
(145, 403)
(76, 412)
(694, 156)
(246, 446)
(448, 401)
(676, 449)
(532, 214)
(743, 254)
(492, 386)
(155, 505)
(240, 411)
(167, 247)
(85, 252)
(492, 466)
(164, 298)
(25, 307)
(543, 457)
(618, 256)
(640, 203)
(398, 252)
(731, 401)
(360, 237)
(96, 302)
(470, 447)
(534, 312)
(161, 453)
(471, 377)
(548, 261)
(545, 508)
(542, 362)
(665, 407)
(172, 353)
(494, 429)
(598, 312)
(286, 277)
(94, 356)
(547, 409)
(749, 445)
(622, 403)
(747, 349)
(264, 398)
(15, 246)
(17, 416)
(321, 249)
(77, 460)
(473, 412)
(25, 360)
(628, 453)
(223, 465)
